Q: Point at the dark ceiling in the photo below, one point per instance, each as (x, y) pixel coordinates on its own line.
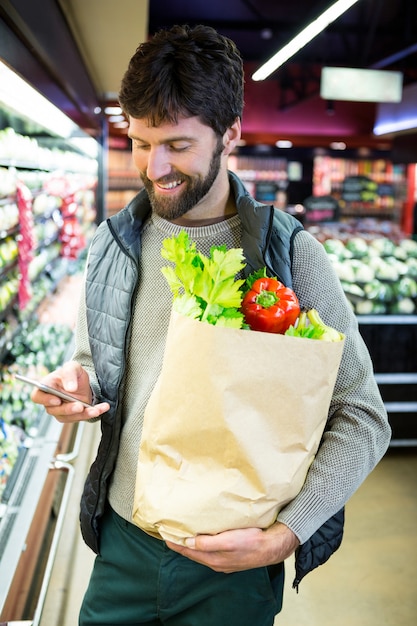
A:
(380, 34)
(41, 43)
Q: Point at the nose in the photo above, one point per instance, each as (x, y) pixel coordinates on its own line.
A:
(158, 164)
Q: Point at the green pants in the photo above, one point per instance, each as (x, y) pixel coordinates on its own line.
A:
(138, 580)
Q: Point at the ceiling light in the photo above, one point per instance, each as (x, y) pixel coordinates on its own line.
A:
(338, 145)
(113, 111)
(22, 98)
(116, 118)
(283, 143)
(266, 33)
(303, 38)
(393, 126)
(359, 85)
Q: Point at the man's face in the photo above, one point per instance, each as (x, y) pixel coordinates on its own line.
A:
(178, 163)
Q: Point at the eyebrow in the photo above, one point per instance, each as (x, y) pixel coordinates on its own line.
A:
(168, 140)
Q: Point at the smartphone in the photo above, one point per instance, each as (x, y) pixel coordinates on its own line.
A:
(66, 397)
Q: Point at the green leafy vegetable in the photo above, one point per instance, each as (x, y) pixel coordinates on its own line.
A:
(204, 288)
(310, 325)
(261, 273)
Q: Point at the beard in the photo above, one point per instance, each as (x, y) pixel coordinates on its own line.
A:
(195, 189)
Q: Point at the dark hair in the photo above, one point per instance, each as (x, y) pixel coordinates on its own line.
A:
(189, 71)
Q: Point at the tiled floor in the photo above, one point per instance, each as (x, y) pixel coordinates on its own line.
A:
(370, 581)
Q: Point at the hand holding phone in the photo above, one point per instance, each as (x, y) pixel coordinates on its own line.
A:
(65, 397)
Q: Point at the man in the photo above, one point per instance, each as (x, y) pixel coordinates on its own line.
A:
(183, 95)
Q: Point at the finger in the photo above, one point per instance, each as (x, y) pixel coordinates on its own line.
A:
(209, 543)
(67, 412)
(202, 543)
(47, 399)
(219, 562)
(75, 411)
(70, 374)
(227, 541)
(97, 410)
(175, 547)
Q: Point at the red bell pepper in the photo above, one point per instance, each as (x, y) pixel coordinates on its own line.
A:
(269, 306)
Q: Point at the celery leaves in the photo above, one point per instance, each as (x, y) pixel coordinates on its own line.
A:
(204, 288)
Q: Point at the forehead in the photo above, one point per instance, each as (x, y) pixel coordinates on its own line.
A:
(185, 127)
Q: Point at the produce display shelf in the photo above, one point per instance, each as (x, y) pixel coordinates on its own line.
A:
(10, 199)
(401, 407)
(8, 310)
(11, 482)
(387, 319)
(8, 268)
(403, 443)
(47, 242)
(396, 378)
(25, 165)
(13, 230)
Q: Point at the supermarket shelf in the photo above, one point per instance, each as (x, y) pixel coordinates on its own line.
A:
(391, 340)
(403, 443)
(401, 407)
(19, 512)
(387, 319)
(396, 378)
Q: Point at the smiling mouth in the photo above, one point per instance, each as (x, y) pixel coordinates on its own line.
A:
(172, 184)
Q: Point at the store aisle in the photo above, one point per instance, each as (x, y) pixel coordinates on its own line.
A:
(370, 581)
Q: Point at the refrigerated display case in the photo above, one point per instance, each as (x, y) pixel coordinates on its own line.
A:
(47, 217)
(32, 508)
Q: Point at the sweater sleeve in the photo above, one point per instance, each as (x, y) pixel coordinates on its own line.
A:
(357, 434)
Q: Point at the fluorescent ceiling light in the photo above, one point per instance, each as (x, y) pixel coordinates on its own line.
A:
(394, 126)
(113, 111)
(18, 95)
(350, 83)
(303, 38)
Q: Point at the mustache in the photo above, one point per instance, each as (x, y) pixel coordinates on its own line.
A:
(164, 180)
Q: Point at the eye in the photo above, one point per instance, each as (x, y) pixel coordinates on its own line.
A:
(179, 147)
(139, 145)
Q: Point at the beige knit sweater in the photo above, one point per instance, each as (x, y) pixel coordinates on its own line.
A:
(359, 432)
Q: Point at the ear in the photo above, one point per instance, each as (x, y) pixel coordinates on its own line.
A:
(232, 136)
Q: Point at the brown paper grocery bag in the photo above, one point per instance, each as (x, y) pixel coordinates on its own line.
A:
(231, 428)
